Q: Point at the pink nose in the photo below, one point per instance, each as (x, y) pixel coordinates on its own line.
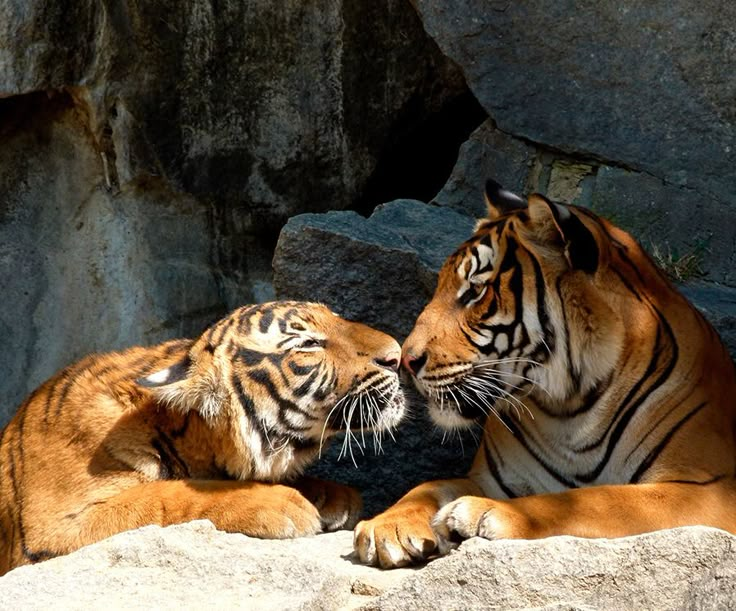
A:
(413, 363)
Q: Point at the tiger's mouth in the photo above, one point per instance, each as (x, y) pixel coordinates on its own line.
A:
(377, 407)
(466, 393)
(373, 408)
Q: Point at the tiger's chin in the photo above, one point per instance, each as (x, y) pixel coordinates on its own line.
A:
(453, 414)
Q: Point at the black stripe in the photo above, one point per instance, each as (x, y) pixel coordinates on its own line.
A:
(495, 472)
(266, 319)
(181, 431)
(301, 370)
(302, 390)
(521, 437)
(253, 358)
(573, 371)
(249, 409)
(261, 376)
(656, 451)
(542, 315)
(30, 555)
(171, 466)
(327, 384)
(628, 412)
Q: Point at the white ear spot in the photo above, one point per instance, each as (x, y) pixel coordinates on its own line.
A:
(160, 377)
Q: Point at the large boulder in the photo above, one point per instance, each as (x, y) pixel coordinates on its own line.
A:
(381, 270)
(195, 566)
(151, 152)
(642, 85)
(264, 110)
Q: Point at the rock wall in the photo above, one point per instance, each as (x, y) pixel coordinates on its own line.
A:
(151, 152)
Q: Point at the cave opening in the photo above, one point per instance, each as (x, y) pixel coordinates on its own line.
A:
(420, 152)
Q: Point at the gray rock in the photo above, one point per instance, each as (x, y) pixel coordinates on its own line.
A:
(84, 270)
(381, 271)
(648, 86)
(675, 569)
(488, 153)
(685, 231)
(265, 111)
(195, 566)
(150, 154)
(718, 305)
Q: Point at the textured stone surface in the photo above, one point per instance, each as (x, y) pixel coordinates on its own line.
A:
(488, 153)
(83, 270)
(151, 152)
(670, 222)
(382, 271)
(718, 304)
(646, 85)
(266, 110)
(689, 568)
(195, 566)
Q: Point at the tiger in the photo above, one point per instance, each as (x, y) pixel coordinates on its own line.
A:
(608, 398)
(218, 428)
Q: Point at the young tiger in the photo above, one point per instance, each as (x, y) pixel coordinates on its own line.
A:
(610, 399)
(196, 429)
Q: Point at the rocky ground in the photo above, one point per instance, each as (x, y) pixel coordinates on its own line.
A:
(194, 566)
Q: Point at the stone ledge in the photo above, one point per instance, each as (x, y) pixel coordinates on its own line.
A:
(195, 566)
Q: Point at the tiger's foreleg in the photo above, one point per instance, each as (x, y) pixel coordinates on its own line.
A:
(252, 508)
(599, 511)
(403, 534)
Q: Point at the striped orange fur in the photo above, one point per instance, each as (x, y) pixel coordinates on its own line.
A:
(608, 399)
(220, 427)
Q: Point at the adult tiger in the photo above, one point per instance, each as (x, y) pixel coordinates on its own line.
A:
(196, 429)
(611, 399)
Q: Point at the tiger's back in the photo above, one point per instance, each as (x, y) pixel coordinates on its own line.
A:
(66, 421)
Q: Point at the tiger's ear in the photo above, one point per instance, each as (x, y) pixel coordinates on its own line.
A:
(187, 386)
(174, 374)
(499, 201)
(556, 223)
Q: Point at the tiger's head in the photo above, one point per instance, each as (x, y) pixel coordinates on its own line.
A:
(528, 305)
(285, 376)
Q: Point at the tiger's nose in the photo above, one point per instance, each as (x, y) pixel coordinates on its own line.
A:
(413, 363)
(390, 360)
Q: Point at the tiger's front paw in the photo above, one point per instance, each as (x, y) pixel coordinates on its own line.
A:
(394, 539)
(472, 516)
(273, 512)
(339, 506)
